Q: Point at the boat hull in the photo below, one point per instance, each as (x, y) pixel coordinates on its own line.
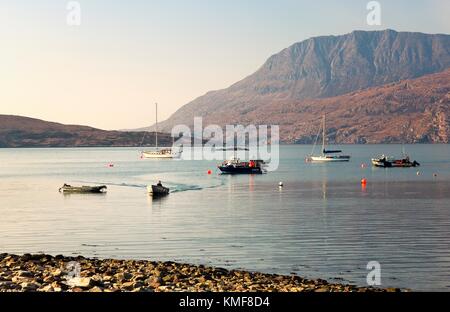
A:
(158, 190)
(83, 189)
(394, 163)
(329, 158)
(160, 154)
(240, 170)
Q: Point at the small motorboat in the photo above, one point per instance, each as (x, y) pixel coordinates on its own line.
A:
(158, 190)
(235, 166)
(390, 162)
(66, 188)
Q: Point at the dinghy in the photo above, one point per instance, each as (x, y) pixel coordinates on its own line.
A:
(158, 190)
(66, 188)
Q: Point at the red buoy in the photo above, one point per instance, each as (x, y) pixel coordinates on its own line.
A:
(209, 171)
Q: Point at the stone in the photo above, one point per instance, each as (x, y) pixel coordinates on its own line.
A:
(56, 272)
(24, 274)
(29, 286)
(107, 278)
(96, 289)
(167, 278)
(49, 279)
(138, 277)
(128, 285)
(82, 282)
(46, 288)
(154, 281)
(19, 279)
(123, 276)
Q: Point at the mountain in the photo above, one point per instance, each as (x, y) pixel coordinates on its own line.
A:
(18, 131)
(321, 68)
(414, 111)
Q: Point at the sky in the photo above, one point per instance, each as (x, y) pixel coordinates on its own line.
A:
(124, 56)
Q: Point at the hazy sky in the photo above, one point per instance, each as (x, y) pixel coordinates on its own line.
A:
(126, 55)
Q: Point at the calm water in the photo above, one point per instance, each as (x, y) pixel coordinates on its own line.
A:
(321, 224)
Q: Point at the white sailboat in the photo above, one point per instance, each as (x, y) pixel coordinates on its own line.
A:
(327, 155)
(165, 152)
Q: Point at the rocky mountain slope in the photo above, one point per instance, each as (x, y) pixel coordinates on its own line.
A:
(319, 70)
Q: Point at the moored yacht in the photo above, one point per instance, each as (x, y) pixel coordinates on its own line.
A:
(166, 152)
(327, 155)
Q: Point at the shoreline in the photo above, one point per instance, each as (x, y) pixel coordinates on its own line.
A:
(46, 273)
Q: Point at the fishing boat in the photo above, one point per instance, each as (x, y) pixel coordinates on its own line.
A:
(165, 152)
(327, 155)
(66, 188)
(235, 166)
(391, 162)
(158, 190)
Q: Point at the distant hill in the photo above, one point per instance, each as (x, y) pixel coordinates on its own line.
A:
(18, 131)
(304, 77)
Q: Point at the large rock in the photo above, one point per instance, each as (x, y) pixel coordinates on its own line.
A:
(81, 282)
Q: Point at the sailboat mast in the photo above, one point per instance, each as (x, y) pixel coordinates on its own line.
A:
(156, 133)
(323, 135)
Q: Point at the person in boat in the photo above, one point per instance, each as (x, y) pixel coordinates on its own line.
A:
(159, 183)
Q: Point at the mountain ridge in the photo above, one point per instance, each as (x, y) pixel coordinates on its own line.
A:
(21, 131)
(321, 67)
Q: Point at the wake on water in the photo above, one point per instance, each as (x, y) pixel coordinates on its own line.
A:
(174, 187)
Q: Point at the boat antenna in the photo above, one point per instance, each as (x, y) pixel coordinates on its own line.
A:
(156, 126)
(315, 142)
(143, 138)
(405, 131)
(323, 135)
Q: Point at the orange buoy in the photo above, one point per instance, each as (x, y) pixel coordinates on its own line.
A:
(363, 181)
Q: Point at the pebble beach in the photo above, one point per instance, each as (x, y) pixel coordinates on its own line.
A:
(46, 273)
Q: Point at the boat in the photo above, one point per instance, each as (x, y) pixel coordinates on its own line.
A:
(327, 155)
(66, 188)
(235, 166)
(158, 190)
(165, 152)
(162, 153)
(391, 162)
